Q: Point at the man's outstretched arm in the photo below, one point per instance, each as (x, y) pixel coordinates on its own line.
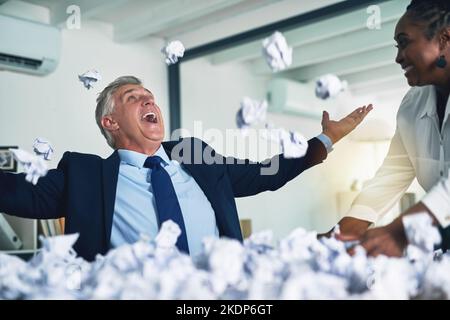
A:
(41, 201)
(252, 178)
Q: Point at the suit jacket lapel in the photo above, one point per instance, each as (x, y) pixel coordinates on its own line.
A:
(110, 177)
(210, 192)
(203, 179)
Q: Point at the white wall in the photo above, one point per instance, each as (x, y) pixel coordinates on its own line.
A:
(212, 94)
(59, 108)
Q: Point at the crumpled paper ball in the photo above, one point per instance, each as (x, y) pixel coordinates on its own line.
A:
(33, 166)
(173, 51)
(276, 51)
(89, 78)
(329, 86)
(250, 113)
(292, 143)
(42, 147)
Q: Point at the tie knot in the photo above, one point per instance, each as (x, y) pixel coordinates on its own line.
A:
(153, 162)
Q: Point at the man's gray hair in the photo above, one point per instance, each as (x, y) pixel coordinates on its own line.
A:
(105, 103)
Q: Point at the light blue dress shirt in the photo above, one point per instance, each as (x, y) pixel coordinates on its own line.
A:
(135, 209)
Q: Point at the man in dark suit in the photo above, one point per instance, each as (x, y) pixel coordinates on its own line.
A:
(145, 181)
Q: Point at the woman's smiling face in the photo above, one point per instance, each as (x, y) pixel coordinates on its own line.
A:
(417, 54)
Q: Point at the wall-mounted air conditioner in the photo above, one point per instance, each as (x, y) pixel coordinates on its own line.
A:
(28, 47)
(295, 98)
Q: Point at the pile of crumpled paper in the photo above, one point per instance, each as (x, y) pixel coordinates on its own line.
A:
(299, 267)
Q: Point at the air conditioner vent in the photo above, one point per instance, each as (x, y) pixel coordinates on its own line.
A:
(20, 61)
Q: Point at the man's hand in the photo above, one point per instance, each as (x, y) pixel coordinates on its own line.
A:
(336, 130)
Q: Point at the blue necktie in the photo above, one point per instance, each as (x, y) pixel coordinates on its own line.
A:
(167, 206)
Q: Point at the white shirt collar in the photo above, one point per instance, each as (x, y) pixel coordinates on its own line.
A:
(430, 105)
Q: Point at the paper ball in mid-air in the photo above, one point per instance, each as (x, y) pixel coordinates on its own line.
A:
(89, 78)
(250, 112)
(329, 86)
(173, 51)
(34, 167)
(277, 53)
(293, 144)
(42, 147)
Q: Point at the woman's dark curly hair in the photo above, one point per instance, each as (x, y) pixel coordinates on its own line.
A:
(434, 12)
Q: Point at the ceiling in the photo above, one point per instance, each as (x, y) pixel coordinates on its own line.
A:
(342, 45)
(184, 19)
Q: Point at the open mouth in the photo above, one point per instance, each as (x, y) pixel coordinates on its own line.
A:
(407, 69)
(150, 117)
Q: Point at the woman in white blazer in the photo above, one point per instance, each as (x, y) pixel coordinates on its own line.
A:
(420, 147)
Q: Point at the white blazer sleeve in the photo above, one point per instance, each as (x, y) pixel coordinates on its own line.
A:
(391, 181)
(438, 201)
